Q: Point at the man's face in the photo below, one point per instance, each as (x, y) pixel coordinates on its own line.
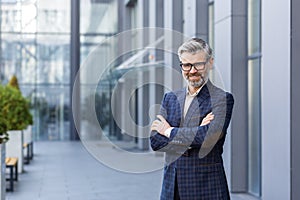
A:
(196, 78)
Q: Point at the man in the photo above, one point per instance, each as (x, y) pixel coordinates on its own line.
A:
(191, 129)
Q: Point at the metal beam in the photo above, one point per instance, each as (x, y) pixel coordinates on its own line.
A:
(295, 99)
(239, 124)
(74, 68)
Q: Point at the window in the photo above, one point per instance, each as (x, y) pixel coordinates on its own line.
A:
(211, 30)
(254, 101)
(98, 22)
(36, 50)
(211, 19)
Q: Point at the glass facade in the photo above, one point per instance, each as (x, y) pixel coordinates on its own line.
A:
(211, 33)
(98, 25)
(211, 23)
(36, 48)
(254, 98)
(98, 21)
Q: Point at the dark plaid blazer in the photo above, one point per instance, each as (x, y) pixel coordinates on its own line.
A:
(194, 152)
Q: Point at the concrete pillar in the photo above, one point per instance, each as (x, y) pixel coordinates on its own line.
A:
(275, 104)
(295, 99)
(173, 20)
(74, 66)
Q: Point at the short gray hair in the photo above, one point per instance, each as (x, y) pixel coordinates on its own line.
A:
(195, 45)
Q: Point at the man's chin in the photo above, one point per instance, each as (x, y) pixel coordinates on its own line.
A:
(194, 79)
(196, 84)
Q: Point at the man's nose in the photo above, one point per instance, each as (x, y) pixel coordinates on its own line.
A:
(193, 70)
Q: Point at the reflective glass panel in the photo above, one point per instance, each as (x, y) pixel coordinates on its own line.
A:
(254, 127)
(98, 23)
(35, 48)
(254, 97)
(254, 26)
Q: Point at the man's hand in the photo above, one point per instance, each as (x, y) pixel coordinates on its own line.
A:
(160, 125)
(207, 119)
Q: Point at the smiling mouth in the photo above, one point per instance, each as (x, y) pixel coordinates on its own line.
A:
(194, 76)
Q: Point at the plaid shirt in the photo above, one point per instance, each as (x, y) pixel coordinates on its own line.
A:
(194, 152)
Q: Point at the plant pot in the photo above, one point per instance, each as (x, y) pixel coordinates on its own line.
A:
(14, 147)
(28, 141)
(2, 173)
(28, 134)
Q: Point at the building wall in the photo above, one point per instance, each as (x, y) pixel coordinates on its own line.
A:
(276, 100)
(275, 95)
(230, 73)
(222, 68)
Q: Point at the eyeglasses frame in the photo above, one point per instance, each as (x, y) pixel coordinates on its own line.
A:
(193, 65)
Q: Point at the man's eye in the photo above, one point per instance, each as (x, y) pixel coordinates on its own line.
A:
(198, 64)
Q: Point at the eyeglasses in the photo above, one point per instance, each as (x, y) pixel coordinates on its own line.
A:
(188, 66)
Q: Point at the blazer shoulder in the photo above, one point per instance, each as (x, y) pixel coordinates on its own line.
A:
(174, 94)
(218, 92)
(229, 96)
(179, 91)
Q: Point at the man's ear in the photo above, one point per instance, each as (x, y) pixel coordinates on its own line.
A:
(211, 63)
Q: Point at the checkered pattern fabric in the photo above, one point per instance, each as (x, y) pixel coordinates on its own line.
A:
(200, 175)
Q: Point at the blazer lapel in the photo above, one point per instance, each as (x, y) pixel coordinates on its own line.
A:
(181, 99)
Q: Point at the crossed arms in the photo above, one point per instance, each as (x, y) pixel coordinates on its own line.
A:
(204, 135)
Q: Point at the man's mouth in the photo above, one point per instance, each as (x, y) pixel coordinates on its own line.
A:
(194, 76)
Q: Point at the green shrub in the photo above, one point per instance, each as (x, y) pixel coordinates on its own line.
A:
(3, 130)
(3, 121)
(15, 109)
(14, 82)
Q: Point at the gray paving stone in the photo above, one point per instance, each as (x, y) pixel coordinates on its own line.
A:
(66, 171)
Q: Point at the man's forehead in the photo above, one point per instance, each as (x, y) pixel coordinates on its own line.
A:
(197, 55)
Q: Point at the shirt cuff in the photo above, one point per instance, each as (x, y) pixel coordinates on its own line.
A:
(167, 132)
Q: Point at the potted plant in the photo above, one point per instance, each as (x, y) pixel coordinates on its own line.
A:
(3, 139)
(3, 121)
(27, 133)
(16, 112)
(23, 103)
(13, 82)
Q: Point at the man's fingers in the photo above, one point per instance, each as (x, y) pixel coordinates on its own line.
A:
(161, 118)
(207, 119)
(209, 114)
(156, 122)
(210, 117)
(154, 126)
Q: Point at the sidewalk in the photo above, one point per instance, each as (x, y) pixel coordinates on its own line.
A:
(66, 171)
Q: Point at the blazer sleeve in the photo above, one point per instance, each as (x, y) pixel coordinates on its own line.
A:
(157, 140)
(206, 136)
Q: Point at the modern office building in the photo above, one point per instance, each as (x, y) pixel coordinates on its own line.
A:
(127, 52)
